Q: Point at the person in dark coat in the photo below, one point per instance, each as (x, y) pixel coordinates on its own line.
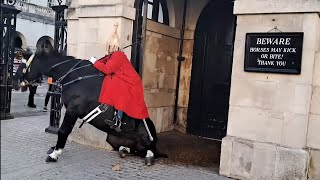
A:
(32, 88)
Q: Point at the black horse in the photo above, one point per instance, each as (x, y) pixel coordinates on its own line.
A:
(81, 84)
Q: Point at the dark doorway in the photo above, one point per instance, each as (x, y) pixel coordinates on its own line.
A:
(211, 70)
(18, 42)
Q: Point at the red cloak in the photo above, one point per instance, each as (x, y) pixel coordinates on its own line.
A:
(122, 86)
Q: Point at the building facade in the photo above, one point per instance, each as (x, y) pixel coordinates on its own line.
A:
(268, 122)
(35, 24)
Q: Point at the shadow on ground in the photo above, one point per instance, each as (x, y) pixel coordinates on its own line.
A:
(189, 150)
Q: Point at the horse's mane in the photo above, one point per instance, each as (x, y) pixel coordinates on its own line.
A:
(56, 55)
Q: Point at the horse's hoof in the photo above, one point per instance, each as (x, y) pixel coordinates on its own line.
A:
(149, 161)
(123, 153)
(50, 159)
(50, 150)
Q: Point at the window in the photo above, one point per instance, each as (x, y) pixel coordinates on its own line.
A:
(157, 11)
(50, 3)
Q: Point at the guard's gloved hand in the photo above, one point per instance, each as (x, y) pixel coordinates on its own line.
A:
(93, 60)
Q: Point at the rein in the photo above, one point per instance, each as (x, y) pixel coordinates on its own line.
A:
(58, 83)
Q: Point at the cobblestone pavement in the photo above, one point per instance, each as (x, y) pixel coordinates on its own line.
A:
(23, 151)
(19, 102)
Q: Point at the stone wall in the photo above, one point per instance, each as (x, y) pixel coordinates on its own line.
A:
(160, 72)
(273, 117)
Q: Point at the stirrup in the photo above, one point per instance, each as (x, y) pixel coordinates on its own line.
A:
(118, 123)
(94, 113)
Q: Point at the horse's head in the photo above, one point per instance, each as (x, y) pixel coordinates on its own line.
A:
(30, 72)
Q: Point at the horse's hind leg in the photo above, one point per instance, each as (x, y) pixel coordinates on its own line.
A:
(121, 144)
(67, 125)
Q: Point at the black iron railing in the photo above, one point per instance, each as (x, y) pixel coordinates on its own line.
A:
(8, 16)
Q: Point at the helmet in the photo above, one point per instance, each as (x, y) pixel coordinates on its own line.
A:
(113, 41)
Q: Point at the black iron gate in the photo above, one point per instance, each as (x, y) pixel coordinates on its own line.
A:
(60, 45)
(8, 18)
(211, 70)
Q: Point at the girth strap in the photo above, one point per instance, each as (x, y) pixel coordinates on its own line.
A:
(81, 78)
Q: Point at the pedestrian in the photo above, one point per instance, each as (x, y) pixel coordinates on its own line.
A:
(32, 87)
(47, 98)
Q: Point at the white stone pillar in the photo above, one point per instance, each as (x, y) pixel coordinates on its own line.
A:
(274, 118)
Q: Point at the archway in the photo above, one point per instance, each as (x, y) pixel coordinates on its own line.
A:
(20, 41)
(211, 70)
(45, 44)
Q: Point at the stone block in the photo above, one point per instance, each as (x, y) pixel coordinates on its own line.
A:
(275, 6)
(115, 10)
(163, 29)
(313, 138)
(264, 158)
(310, 29)
(302, 97)
(294, 130)
(169, 82)
(259, 94)
(181, 124)
(316, 72)
(87, 30)
(244, 122)
(81, 50)
(162, 118)
(291, 164)
(96, 50)
(72, 38)
(162, 98)
(225, 158)
(167, 119)
(149, 80)
(89, 135)
(315, 101)
(241, 158)
(314, 169)
(283, 97)
(72, 49)
(183, 100)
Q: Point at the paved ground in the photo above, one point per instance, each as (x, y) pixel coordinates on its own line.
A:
(19, 102)
(24, 144)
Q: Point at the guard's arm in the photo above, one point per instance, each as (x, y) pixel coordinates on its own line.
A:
(112, 65)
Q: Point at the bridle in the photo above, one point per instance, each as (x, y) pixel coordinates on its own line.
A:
(58, 83)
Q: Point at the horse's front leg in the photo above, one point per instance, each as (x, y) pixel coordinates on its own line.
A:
(65, 129)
